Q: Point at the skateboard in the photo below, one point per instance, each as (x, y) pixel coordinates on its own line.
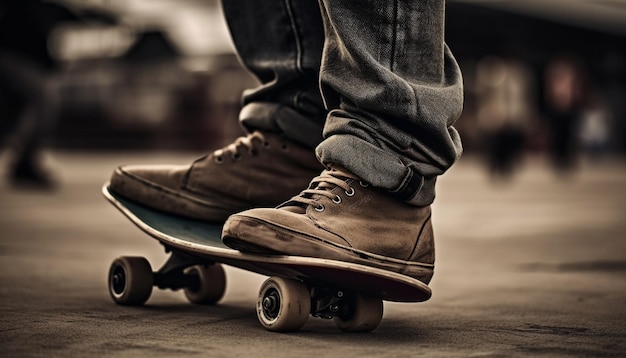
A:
(350, 294)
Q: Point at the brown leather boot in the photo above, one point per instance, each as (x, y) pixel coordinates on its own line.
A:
(341, 218)
(259, 170)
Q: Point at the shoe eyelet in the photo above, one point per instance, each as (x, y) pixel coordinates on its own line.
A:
(219, 159)
(284, 146)
(363, 184)
(350, 193)
(319, 208)
(236, 157)
(266, 144)
(337, 199)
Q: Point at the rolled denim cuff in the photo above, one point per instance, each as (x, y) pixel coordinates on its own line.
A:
(277, 118)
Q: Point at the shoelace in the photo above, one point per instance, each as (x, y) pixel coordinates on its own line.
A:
(246, 143)
(322, 185)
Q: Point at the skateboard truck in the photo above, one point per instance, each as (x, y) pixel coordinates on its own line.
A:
(285, 304)
(328, 302)
(131, 279)
(172, 274)
(326, 306)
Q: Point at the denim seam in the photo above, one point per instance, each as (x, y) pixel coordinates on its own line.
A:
(394, 35)
(294, 28)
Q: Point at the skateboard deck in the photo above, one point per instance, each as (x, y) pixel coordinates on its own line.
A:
(194, 242)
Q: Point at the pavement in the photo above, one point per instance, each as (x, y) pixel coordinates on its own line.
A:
(529, 267)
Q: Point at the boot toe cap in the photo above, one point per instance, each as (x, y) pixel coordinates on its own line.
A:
(144, 183)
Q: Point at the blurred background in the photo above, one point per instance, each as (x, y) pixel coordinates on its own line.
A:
(541, 78)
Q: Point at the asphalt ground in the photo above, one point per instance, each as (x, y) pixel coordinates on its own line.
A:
(530, 267)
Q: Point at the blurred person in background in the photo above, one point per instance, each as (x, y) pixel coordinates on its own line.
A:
(349, 129)
(565, 97)
(594, 132)
(28, 97)
(504, 109)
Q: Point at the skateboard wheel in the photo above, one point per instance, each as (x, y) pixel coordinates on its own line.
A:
(211, 284)
(130, 280)
(364, 315)
(283, 305)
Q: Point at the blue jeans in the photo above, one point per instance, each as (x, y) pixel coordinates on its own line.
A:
(370, 84)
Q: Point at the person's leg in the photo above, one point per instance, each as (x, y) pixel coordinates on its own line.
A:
(279, 41)
(36, 90)
(394, 91)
